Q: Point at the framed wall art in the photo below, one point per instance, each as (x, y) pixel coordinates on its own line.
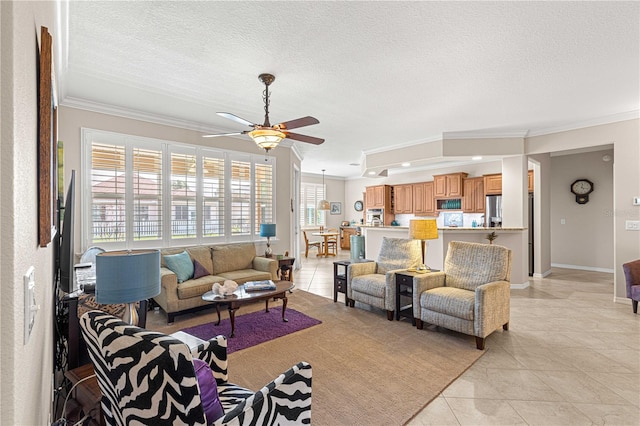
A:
(336, 208)
(47, 146)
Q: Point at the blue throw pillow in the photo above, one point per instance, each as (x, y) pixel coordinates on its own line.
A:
(181, 265)
(208, 391)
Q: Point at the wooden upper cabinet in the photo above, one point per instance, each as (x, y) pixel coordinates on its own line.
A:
(449, 185)
(403, 198)
(423, 203)
(493, 184)
(378, 197)
(530, 175)
(473, 200)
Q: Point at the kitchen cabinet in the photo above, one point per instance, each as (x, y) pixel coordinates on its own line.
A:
(345, 237)
(473, 200)
(403, 199)
(423, 202)
(379, 197)
(449, 185)
(493, 184)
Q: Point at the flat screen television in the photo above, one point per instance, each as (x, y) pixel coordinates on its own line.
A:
(66, 257)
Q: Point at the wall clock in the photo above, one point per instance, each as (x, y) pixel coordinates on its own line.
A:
(358, 206)
(582, 188)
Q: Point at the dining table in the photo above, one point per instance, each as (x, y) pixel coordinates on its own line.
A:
(325, 247)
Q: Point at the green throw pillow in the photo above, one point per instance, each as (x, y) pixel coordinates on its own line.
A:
(181, 265)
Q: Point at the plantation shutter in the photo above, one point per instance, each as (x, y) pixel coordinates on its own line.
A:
(147, 194)
(240, 188)
(311, 194)
(213, 195)
(263, 195)
(108, 192)
(183, 195)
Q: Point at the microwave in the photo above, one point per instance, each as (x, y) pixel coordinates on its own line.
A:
(375, 215)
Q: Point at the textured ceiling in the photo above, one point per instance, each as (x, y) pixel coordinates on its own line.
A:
(376, 74)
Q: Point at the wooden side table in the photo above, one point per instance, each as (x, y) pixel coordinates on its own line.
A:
(340, 280)
(404, 290)
(340, 277)
(87, 394)
(285, 267)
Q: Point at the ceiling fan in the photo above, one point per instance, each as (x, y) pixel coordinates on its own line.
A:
(268, 136)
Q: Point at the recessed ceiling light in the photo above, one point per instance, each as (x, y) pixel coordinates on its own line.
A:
(354, 164)
(476, 158)
(372, 173)
(406, 164)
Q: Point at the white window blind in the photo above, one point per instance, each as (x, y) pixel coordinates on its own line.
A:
(213, 190)
(183, 195)
(147, 194)
(108, 192)
(311, 194)
(263, 173)
(240, 197)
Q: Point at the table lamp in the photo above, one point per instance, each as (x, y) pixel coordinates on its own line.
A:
(268, 230)
(423, 229)
(127, 276)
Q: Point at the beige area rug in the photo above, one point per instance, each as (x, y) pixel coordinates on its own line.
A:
(366, 370)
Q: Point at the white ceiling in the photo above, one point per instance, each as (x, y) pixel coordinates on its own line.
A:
(376, 74)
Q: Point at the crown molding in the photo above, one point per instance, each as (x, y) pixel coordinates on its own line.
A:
(485, 134)
(400, 145)
(86, 105)
(614, 118)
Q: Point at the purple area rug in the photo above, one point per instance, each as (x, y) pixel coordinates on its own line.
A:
(255, 328)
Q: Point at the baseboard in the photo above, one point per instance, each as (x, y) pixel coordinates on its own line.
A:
(519, 286)
(623, 300)
(583, 268)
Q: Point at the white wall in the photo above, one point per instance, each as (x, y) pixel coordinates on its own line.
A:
(585, 240)
(25, 370)
(624, 136)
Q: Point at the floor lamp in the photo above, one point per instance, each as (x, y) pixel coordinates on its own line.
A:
(127, 276)
(423, 229)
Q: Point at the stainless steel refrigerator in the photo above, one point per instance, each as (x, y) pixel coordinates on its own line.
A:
(493, 212)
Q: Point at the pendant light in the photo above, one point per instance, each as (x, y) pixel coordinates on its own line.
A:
(323, 204)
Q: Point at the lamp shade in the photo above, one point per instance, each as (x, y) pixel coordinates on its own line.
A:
(423, 229)
(323, 205)
(267, 138)
(267, 229)
(127, 276)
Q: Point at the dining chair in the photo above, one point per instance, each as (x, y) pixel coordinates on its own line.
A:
(332, 242)
(310, 244)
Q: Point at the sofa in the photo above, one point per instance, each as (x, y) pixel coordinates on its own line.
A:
(212, 264)
(149, 378)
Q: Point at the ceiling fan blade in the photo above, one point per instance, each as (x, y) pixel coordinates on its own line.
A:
(225, 134)
(299, 122)
(304, 138)
(235, 118)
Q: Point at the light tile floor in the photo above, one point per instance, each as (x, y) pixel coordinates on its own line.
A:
(571, 356)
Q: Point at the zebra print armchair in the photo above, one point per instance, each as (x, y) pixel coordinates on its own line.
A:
(148, 378)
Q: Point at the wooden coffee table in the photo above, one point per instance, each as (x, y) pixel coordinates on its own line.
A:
(241, 297)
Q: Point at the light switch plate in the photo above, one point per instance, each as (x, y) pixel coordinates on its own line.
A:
(632, 225)
(636, 201)
(30, 307)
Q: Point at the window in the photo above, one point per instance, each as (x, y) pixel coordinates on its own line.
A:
(151, 193)
(311, 194)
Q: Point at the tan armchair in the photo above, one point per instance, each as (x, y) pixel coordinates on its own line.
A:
(374, 283)
(471, 295)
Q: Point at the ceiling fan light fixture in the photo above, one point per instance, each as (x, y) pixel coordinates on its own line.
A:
(267, 138)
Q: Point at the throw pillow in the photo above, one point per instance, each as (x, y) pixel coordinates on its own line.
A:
(208, 391)
(199, 271)
(181, 265)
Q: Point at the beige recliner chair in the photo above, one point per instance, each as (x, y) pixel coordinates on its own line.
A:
(471, 295)
(374, 283)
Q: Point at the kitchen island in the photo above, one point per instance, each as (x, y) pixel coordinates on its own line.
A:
(515, 239)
